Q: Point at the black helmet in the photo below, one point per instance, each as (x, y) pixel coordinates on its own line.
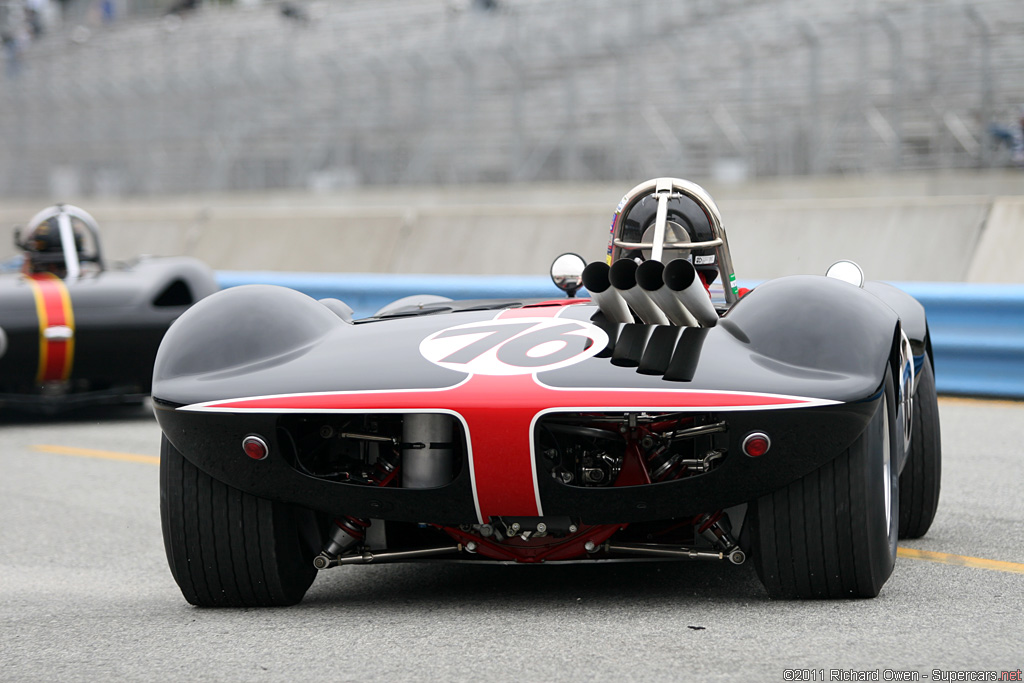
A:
(685, 222)
(44, 245)
(44, 238)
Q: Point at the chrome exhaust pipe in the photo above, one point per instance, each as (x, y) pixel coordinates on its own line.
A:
(622, 275)
(681, 279)
(611, 303)
(649, 276)
(428, 460)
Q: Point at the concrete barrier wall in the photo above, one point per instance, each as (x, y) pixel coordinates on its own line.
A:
(903, 228)
(999, 256)
(929, 238)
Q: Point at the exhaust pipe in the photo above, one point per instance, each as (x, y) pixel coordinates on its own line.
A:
(649, 276)
(428, 460)
(611, 303)
(681, 279)
(623, 278)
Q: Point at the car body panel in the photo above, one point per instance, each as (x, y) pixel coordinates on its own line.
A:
(802, 357)
(109, 326)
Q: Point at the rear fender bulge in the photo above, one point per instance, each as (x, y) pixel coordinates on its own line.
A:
(240, 326)
(818, 322)
(910, 311)
(913, 319)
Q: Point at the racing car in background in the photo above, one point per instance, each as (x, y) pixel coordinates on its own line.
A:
(77, 331)
(794, 425)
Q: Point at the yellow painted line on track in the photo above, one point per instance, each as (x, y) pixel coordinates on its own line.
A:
(968, 400)
(961, 560)
(91, 453)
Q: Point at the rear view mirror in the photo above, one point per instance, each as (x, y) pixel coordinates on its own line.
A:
(567, 273)
(847, 271)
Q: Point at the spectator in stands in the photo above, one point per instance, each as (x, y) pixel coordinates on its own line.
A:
(1018, 153)
(1010, 136)
(295, 12)
(12, 33)
(35, 15)
(108, 11)
(181, 7)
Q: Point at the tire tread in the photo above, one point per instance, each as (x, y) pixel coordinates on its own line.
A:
(920, 481)
(227, 548)
(810, 538)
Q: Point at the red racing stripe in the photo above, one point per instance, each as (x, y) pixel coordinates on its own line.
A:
(498, 413)
(53, 308)
(544, 309)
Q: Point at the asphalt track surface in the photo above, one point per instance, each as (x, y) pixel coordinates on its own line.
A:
(85, 593)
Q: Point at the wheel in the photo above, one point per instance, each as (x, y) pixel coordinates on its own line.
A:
(227, 548)
(832, 534)
(919, 482)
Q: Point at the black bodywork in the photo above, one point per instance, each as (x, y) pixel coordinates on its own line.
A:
(120, 314)
(801, 336)
(661, 418)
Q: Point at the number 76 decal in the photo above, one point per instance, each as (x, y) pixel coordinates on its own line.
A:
(517, 346)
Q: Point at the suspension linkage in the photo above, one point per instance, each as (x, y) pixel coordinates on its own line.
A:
(736, 556)
(384, 556)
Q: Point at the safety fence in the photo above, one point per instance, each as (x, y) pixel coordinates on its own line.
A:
(415, 92)
(977, 331)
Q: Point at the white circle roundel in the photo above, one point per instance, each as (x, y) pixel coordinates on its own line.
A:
(514, 346)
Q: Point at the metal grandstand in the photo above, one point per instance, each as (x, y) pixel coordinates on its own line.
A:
(438, 91)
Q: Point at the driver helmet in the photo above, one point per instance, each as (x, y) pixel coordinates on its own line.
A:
(43, 246)
(685, 222)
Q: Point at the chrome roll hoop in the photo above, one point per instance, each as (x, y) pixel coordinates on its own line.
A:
(665, 189)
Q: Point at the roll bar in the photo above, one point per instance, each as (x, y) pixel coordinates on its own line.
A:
(665, 189)
(63, 213)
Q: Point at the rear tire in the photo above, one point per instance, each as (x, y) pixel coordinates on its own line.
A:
(227, 548)
(832, 534)
(920, 480)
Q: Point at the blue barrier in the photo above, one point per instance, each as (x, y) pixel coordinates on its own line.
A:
(977, 330)
(977, 336)
(367, 293)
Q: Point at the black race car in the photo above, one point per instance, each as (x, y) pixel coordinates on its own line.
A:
(794, 425)
(79, 332)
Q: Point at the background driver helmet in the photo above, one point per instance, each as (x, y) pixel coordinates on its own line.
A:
(686, 222)
(44, 251)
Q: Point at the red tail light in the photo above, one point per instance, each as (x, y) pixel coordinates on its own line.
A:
(756, 444)
(255, 447)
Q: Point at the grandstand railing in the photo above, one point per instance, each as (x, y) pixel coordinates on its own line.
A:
(434, 91)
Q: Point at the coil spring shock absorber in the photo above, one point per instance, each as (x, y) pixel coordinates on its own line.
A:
(715, 527)
(349, 531)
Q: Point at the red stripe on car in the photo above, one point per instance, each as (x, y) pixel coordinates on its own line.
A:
(498, 413)
(53, 308)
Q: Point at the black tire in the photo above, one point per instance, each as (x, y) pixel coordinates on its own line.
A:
(832, 534)
(921, 477)
(227, 548)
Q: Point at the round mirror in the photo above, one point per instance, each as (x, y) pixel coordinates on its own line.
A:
(847, 271)
(567, 273)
